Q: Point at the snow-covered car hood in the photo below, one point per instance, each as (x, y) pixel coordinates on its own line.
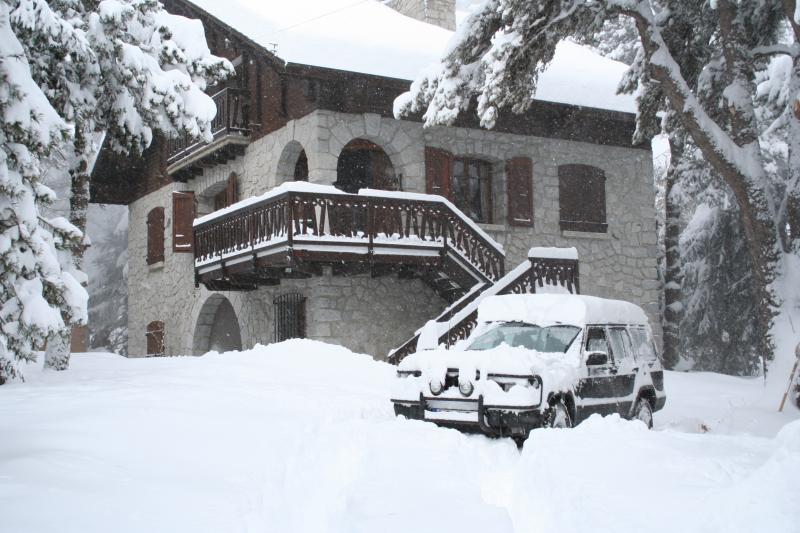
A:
(558, 372)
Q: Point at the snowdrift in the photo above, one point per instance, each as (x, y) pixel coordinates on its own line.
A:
(300, 437)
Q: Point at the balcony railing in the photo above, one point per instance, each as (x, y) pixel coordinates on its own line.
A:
(325, 225)
(231, 122)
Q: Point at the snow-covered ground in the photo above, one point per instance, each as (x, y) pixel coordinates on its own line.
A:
(300, 437)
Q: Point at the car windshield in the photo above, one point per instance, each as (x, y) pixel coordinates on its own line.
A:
(553, 339)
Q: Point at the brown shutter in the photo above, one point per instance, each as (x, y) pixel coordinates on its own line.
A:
(155, 235)
(182, 220)
(232, 194)
(519, 173)
(582, 198)
(155, 338)
(438, 169)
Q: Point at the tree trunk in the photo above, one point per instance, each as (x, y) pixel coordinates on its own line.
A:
(673, 278)
(748, 187)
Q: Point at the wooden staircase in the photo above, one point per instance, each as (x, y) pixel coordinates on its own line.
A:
(543, 271)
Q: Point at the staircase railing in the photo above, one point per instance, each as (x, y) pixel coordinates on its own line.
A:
(457, 321)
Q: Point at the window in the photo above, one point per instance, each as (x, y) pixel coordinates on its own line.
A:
(519, 177)
(643, 345)
(183, 210)
(552, 339)
(582, 198)
(620, 346)
(155, 338)
(470, 188)
(596, 341)
(155, 236)
(290, 316)
(301, 167)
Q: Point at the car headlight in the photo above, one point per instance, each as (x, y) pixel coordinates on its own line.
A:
(436, 387)
(466, 387)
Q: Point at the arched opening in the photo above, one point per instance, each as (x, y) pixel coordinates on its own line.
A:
(293, 163)
(217, 327)
(363, 164)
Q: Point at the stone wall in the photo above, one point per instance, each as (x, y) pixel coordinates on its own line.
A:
(438, 12)
(374, 315)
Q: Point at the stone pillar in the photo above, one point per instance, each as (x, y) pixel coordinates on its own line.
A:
(437, 12)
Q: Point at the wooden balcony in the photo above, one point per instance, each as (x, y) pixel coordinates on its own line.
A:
(187, 156)
(297, 228)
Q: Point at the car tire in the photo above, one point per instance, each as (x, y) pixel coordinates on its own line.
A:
(557, 416)
(643, 411)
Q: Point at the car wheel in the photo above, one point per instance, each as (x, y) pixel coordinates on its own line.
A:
(558, 416)
(643, 411)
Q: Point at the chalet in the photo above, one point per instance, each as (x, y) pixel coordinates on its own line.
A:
(315, 213)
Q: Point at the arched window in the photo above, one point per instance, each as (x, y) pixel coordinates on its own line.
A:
(155, 236)
(363, 164)
(582, 198)
(155, 338)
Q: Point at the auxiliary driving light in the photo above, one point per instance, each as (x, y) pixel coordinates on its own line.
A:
(436, 387)
(466, 387)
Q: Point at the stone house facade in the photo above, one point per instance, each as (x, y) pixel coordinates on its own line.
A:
(558, 176)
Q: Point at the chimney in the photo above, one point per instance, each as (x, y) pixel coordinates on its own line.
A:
(437, 12)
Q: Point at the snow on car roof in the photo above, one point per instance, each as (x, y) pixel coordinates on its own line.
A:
(549, 309)
(371, 38)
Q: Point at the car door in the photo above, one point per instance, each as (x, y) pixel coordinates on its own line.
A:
(625, 368)
(597, 391)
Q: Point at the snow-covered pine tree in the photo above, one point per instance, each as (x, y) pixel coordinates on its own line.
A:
(126, 69)
(699, 59)
(36, 295)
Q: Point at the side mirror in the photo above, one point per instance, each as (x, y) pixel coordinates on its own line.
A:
(596, 359)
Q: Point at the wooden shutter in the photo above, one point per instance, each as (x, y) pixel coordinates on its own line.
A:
(155, 338)
(155, 235)
(519, 175)
(182, 220)
(582, 198)
(438, 169)
(231, 192)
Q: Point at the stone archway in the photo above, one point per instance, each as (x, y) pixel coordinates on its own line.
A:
(293, 163)
(362, 164)
(217, 327)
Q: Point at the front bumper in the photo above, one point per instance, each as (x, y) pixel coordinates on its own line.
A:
(473, 415)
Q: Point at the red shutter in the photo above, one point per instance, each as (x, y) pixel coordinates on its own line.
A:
(232, 194)
(438, 169)
(182, 220)
(519, 173)
(155, 235)
(155, 338)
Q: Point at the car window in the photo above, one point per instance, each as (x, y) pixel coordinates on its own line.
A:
(643, 345)
(621, 346)
(555, 339)
(596, 341)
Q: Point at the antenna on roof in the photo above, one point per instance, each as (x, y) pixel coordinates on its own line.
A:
(273, 47)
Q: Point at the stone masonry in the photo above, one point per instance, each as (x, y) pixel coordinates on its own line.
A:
(372, 315)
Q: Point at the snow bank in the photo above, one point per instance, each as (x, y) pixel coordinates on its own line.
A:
(550, 309)
(372, 38)
(301, 437)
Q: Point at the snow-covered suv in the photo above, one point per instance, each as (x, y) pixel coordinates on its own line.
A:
(537, 360)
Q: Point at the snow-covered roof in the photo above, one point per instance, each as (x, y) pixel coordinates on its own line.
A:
(548, 309)
(372, 38)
